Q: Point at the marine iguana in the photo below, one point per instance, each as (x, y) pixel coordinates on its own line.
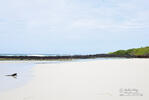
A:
(13, 75)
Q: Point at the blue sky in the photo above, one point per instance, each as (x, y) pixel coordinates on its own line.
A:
(73, 26)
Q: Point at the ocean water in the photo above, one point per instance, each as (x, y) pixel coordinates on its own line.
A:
(29, 54)
(40, 55)
(23, 69)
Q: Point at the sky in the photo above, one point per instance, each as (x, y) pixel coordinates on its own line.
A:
(72, 26)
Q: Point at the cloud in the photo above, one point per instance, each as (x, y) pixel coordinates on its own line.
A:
(54, 15)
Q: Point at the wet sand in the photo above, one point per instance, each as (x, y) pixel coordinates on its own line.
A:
(119, 79)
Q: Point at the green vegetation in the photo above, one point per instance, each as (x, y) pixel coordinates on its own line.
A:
(144, 51)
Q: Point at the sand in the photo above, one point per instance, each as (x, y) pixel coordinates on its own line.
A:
(121, 79)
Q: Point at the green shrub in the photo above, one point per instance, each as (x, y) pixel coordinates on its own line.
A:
(135, 51)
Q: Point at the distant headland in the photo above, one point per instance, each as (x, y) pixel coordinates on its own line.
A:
(142, 52)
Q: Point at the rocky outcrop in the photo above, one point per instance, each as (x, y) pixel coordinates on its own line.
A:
(67, 57)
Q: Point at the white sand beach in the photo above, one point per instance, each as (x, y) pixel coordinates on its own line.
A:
(121, 79)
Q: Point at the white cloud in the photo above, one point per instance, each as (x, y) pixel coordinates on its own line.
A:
(64, 15)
